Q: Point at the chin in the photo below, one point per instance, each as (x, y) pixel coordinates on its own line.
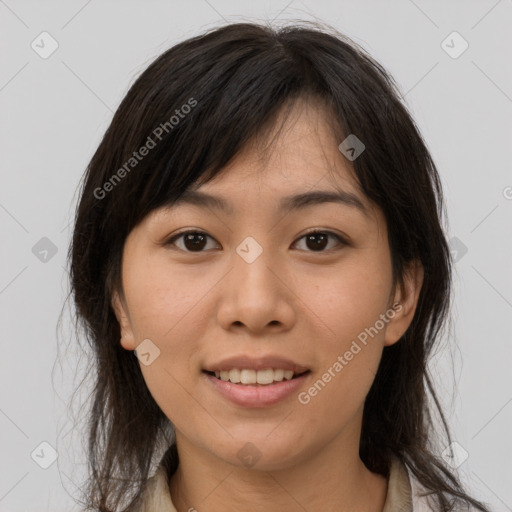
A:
(260, 453)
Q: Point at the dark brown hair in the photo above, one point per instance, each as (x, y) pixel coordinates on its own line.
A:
(235, 80)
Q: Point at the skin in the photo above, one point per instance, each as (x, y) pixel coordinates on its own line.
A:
(292, 301)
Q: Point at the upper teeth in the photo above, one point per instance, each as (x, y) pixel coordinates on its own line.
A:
(254, 377)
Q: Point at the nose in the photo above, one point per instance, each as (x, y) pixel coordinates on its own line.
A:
(255, 295)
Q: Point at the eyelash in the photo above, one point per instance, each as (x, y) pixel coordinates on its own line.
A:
(340, 239)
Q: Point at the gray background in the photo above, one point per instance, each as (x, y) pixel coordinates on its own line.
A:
(55, 110)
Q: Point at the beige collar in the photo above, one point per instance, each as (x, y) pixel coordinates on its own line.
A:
(157, 496)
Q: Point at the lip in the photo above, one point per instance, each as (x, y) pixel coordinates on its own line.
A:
(260, 363)
(253, 396)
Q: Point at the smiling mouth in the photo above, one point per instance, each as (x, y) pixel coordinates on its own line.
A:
(249, 377)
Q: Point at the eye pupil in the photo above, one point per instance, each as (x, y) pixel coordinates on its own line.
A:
(319, 241)
(194, 241)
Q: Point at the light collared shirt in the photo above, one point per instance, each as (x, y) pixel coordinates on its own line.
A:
(402, 492)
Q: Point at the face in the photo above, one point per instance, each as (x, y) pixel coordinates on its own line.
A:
(250, 288)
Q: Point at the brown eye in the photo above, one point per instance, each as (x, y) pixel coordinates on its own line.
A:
(317, 241)
(191, 241)
(197, 241)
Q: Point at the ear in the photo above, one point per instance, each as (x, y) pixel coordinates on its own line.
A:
(406, 296)
(121, 312)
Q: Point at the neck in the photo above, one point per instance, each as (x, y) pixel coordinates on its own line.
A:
(331, 479)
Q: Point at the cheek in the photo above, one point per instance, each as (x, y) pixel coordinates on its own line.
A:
(162, 297)
(346, 369)
(165, 305)
(335, 399)
(350, 305)
(350, 298)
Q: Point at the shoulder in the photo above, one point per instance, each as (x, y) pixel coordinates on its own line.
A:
(405, 492)
(421, 497)
(156, 495)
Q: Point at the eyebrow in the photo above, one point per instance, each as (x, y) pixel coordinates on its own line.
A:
(287, 204)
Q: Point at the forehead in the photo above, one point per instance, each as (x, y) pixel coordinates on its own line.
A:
(299, 150)
(293, 164)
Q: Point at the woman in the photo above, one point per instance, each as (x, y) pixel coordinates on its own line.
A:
(259, 263)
